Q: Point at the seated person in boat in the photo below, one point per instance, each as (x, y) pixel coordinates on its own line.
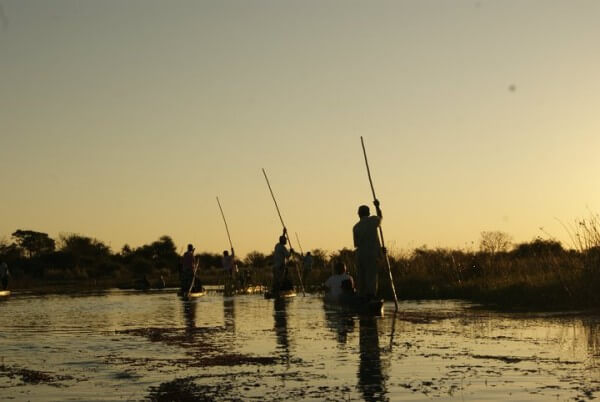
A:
(340, 286)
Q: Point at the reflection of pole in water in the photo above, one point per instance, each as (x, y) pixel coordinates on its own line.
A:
(281, 330)
(229, 313)
(370, 377)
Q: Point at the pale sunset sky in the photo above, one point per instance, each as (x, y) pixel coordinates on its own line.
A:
(123, 120)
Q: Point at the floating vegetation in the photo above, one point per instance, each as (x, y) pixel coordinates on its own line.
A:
(185, 389)
(34, 377)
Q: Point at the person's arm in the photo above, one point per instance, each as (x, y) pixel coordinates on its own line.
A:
(379, 214)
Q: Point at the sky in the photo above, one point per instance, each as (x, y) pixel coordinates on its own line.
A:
(124, 120)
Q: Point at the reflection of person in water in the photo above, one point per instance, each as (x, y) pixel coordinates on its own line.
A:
(229, 313)
(281, 329)
(189, 317)
(340, 323)
(370, 377)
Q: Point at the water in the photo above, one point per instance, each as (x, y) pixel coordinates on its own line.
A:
(121, 345)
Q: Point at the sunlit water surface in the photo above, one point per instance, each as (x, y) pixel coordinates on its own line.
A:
(122, 345)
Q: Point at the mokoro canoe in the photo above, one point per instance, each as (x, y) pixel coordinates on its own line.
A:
(357, 305)
(246, 290)
(192, 295)
(4, 293)
(282, 294)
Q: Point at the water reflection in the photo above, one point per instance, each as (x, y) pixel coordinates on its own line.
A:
(228, 346)
(340, 323)
(280, 316)
(370, 376)
(591, 329)
(189, 317)
(229, 314)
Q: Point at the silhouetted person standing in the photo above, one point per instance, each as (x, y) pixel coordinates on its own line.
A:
(368, 250)
(228, 262)
(4, 274)
(187, 269)
(280, 256)
(307, 263)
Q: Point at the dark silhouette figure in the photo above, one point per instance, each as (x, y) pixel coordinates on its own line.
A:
(340, 322)
(368, 250)
(307, 264)
(189, 280)
(229, 314)
(189, 318)
(187, 269)
(228, 262)
(4, 274)
(370, 377)
(281, 280)
(281, 327)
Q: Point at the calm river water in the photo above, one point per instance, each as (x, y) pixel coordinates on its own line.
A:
(120, 345)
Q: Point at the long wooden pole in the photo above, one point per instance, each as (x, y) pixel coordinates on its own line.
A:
(387, 260)
(284, 228)
(226, 227)
(193, 277)
(299, 245)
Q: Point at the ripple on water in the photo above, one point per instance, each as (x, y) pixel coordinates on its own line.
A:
(134, 345)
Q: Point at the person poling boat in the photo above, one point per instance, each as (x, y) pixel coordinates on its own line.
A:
(230, 270)
(285, 236)
(189, 282)
(368, 250)
(367, 239)
(281, 280)
(228, 262)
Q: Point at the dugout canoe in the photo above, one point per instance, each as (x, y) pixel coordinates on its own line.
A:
(357, 305)
(282, 294)
(192, 295)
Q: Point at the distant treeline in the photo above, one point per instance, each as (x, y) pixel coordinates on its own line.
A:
(540, 274)
(35, 259)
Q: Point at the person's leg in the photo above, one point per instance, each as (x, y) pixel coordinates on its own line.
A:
(371, 280)
(276, 279)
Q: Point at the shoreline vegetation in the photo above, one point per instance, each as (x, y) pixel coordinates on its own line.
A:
(540, 275)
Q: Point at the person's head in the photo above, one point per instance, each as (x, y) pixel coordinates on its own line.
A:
(190, 247)
(339, 268)
(308, 253)
(225, 253)
(282, 239)
(363, 211)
